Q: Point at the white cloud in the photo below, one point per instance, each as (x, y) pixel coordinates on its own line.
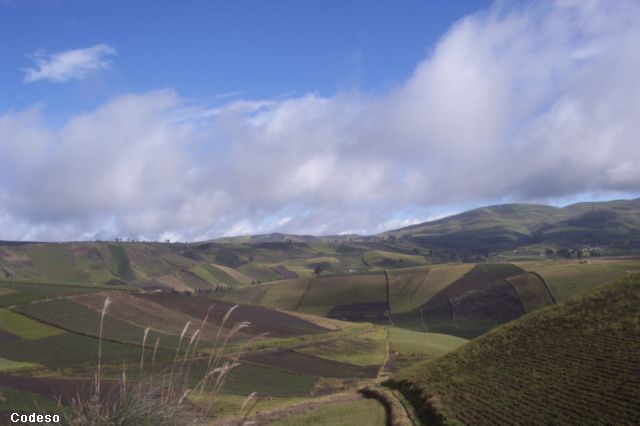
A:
(68, 65)
(538, 102)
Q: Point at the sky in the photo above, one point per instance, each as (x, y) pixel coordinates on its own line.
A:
(192, 120)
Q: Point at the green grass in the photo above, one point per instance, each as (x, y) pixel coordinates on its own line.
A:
(17, 401)
(17, 298)
(204, 274)
(358, 349)
(345, 289)
(408, 347)
(351, 413)
(44, 290)
(251, 295)
(229, 405)
(285, 294)
(566, 279)
(578, 360)
(249, 378)
(387, 259)
(122, 264)
(23, 326)
(7, 365)
(226, 275)
(431, 344)
(413, 287)
(55, 262)
(258, 273)
(19, 293)
(68, 350)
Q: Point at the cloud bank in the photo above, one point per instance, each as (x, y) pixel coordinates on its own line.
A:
(516, 103)
(68, 65)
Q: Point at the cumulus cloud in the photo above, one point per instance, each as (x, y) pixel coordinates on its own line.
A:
(68, 65)
(518, 103)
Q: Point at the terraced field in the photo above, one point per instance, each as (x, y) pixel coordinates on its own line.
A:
(578, 360)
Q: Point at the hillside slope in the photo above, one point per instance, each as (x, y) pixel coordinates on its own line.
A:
(573, 363)
(614, 224)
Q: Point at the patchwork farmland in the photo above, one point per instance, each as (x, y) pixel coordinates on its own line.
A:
(298, 330)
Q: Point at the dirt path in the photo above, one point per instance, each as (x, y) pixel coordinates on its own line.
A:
(382, 373)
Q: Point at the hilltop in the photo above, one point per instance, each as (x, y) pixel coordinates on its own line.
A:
(612, 224)
(502, 232)
(563, 364)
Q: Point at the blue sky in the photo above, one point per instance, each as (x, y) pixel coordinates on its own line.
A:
(204, 49)
(198, 119)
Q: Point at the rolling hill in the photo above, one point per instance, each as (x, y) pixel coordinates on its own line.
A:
(572, 363)
(612, 224)
(346, 311)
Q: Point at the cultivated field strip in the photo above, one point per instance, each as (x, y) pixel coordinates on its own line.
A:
(263, 320)
(532, 291)
(77, 318)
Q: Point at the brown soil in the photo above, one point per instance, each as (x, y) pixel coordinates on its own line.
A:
(5, 336)
(263, 320)
(481, 276)
(284, 272)
(375, 311)
(55, 387)
(146, 313)
(300, 363)
(499, 302)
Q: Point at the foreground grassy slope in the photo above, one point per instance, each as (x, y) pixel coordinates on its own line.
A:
(369, 412)
(573, 363)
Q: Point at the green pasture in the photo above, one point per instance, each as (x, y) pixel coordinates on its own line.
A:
(359, 349)
(351, 413)
(26, 327)
(8, 365)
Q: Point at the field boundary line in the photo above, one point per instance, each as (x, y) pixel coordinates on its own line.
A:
(306, 290)
(524, 308)
(387, 355)
(546, 285)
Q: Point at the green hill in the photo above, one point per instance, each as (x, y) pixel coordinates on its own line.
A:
(573, 363)
(613, 224)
